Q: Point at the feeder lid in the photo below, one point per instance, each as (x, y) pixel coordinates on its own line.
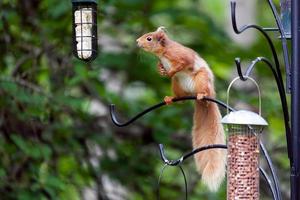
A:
(244, 117)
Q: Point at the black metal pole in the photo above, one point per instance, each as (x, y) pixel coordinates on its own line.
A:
(295, 168)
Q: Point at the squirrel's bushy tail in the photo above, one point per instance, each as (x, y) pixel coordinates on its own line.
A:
(208, 130)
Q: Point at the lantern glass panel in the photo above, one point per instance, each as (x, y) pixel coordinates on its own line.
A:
(85, 30)
(285, 6)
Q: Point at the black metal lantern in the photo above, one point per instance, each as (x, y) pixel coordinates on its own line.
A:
(285, 7)
(85, 45)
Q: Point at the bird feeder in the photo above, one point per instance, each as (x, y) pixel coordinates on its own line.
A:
(244, 129)
(285, 8)
(85, 29)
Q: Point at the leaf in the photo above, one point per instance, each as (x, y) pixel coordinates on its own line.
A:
(67, 165)
(43, 173)
(70, 192)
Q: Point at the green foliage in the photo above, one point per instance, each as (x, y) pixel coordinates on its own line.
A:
(56, 136)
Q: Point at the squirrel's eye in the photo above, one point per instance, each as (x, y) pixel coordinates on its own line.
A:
(149, 39)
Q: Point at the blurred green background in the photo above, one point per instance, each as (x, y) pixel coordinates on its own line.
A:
(56, 137)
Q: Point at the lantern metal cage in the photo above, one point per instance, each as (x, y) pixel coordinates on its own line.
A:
(85, 38)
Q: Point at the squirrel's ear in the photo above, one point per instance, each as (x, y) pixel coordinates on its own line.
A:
(161, 29)
(161, 37)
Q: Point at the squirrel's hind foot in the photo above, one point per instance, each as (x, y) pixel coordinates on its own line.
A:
(201, 95)
(168, 100)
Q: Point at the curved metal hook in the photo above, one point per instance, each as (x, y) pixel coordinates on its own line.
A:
(259, 59)
(233, 17)
(251, 67)
(184, 157)
(279, 87)
(239, 70)
(120, 124)
(261, 30)
(164, 158)
(242, 76)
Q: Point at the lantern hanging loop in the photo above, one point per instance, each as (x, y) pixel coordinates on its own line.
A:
(255, 83)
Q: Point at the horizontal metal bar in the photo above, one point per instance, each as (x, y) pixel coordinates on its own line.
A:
(270, 29)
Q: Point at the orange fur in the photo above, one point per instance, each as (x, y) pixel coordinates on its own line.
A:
(191, 76)
(177, 90)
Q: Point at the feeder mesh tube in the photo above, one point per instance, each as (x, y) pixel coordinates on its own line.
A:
(83, 32)
(242, 163)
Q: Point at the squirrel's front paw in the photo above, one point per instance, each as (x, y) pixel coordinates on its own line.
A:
(161, 70)
(171, 73)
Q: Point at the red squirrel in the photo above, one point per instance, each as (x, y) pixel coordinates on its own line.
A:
(191, 75)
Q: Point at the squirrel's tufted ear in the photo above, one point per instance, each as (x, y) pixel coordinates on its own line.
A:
(161, 29)
(161, 37)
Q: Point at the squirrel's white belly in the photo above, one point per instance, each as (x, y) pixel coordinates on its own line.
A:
(186, 82)
(166, 63)
(184, 79)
